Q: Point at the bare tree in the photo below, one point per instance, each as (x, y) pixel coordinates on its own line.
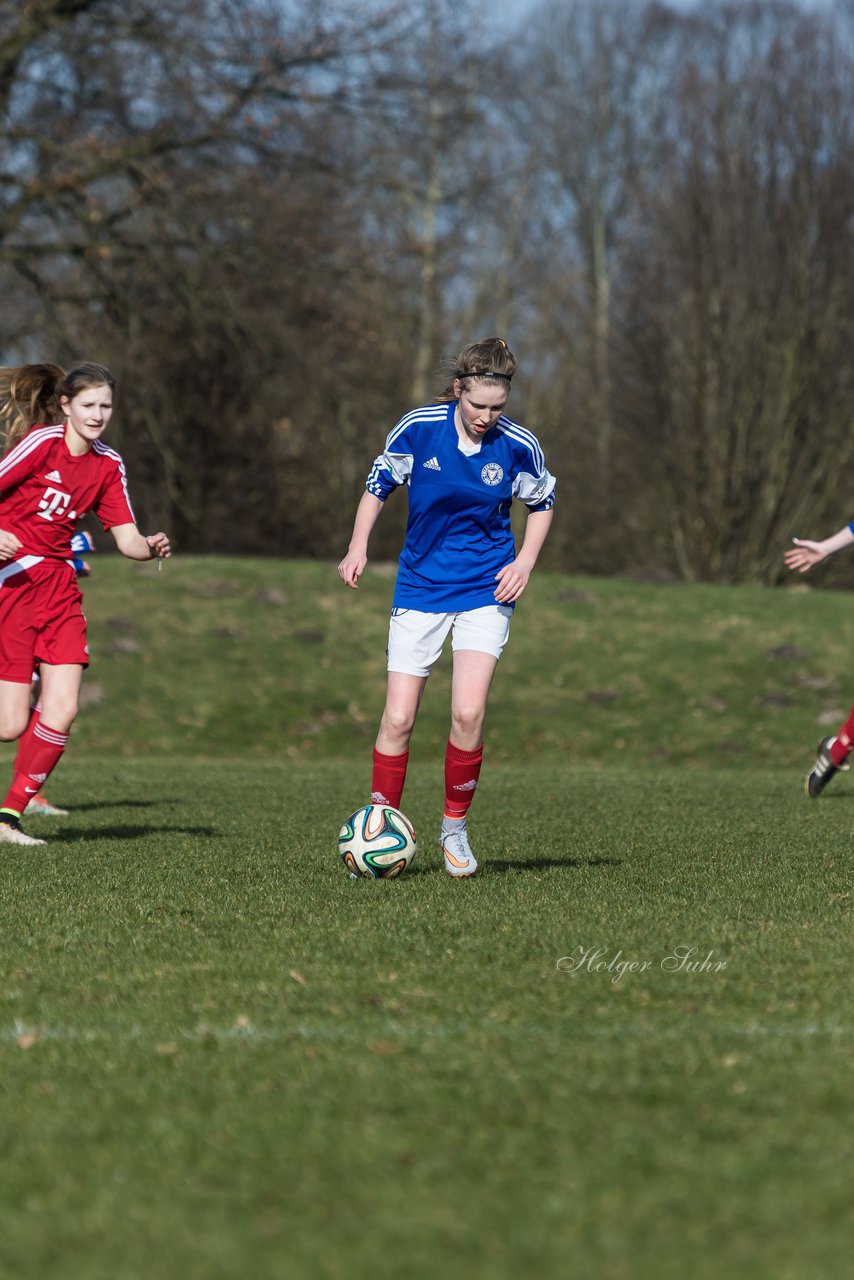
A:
(169, 178)
(427, 173)
(585, 91)
(581, 117)
(740, 298)
(274, 219)
(103, 101)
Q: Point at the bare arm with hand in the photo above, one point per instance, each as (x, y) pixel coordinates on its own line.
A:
(352, 566)
(136, 546)
(805, 554)
(513, 578)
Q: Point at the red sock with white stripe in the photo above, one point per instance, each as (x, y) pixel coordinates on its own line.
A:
(462, 771)
(389, 775)
(23, 745)
(840, 750)
(39, 752)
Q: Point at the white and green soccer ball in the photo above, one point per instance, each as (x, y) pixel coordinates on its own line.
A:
(377, 841)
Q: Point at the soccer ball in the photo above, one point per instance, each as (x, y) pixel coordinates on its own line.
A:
(377, 841)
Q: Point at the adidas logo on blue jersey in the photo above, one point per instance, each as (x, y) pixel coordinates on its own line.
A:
(432, 464)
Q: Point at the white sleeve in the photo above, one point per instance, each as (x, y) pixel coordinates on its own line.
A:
(537, 492)
(389, 471)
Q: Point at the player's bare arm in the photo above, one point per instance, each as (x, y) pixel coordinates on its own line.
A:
(352, 566)
(513, 578)
(805, 553)
(136, 546)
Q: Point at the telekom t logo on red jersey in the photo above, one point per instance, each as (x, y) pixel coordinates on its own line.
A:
(54, 504)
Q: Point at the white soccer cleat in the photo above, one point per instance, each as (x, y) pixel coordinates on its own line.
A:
(10, 831)
(459, 859)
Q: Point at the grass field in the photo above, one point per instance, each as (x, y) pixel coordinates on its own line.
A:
(222, 1058)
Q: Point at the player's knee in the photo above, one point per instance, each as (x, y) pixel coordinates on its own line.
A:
(12, 726)
(467, 722)
(398, 721)
(59, 714)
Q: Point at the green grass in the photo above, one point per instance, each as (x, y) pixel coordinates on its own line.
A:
(251, 657)
(220, 1057)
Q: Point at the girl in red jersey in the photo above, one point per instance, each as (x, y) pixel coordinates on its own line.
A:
(56, 470)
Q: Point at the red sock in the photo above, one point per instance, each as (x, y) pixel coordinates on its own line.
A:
(841, 748)
(388, 778)
(26, 737)
(462, 770)
(39, 751)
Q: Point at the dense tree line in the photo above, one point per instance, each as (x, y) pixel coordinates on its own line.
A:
(274, 221)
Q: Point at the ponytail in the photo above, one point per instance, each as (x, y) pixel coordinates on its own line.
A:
(28, 395)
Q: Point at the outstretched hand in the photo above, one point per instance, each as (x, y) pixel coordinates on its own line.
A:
(804, 555)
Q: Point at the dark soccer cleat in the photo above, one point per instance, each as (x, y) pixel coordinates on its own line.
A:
(823, 769)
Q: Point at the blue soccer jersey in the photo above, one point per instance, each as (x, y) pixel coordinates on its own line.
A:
(458, 535)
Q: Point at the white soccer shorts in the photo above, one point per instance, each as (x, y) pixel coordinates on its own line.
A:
(415, 639)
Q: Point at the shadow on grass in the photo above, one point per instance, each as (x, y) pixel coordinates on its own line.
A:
(533, 864)
(546, 864)
(93, 805)
(70, 835)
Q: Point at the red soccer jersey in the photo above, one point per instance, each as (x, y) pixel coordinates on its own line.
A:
(45, 490)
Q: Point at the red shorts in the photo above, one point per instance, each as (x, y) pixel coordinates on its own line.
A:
(41, 620)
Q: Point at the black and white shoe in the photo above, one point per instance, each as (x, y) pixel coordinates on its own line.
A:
(823, 769)
(11, 832)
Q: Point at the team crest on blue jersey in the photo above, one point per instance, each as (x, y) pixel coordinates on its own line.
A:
(492, 473)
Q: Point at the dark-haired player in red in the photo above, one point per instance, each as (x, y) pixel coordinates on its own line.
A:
(51, 476)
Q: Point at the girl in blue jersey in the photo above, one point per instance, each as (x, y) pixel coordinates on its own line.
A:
(463, 462)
